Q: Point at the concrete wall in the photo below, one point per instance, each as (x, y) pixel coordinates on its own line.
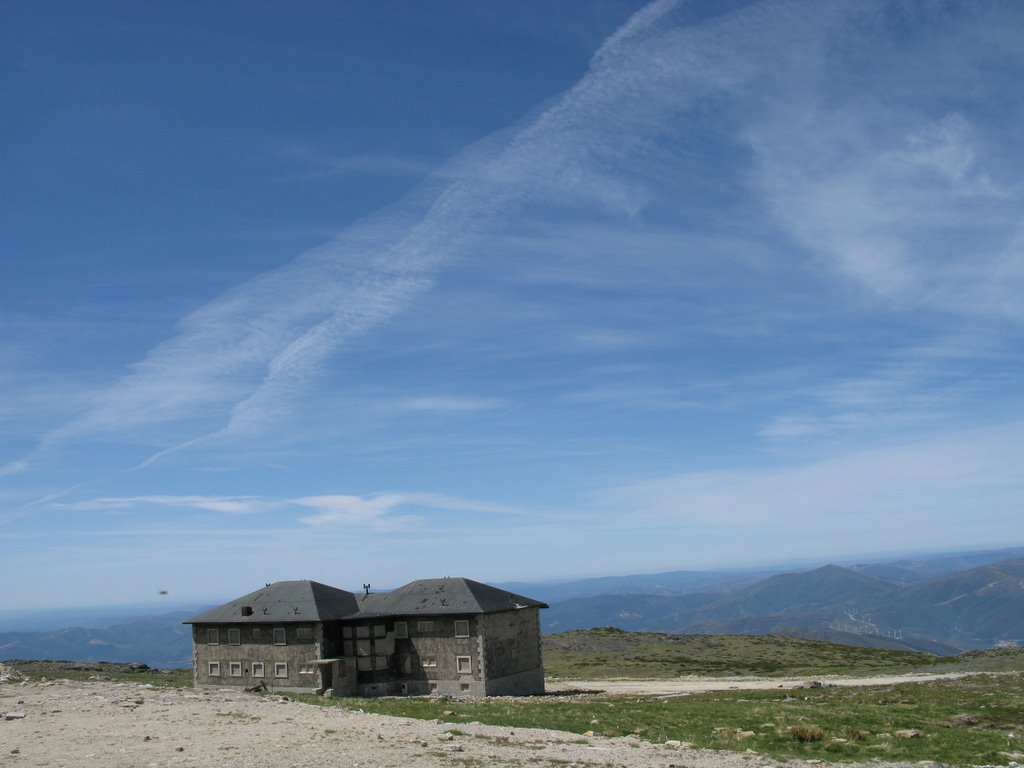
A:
(512, 660)
(256, 644)
(501, 656)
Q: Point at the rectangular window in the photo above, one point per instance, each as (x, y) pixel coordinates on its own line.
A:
(363, 647)
(363, 663)
(362, 631)
(424, 626)
(379, 630)
(428, 661)
(257, 669)
(280, 638)
(307, 669)
(213, 637)
(235, 668)
(380, 662)
(463, 686)
(257, 634)
(346, 632)
(304, 633)
(401, 630)
(234, 637)
(280, 669)
(214, 669)
(461, 628)
(463, 665)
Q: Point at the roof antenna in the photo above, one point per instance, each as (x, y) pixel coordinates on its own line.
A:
(366, 588)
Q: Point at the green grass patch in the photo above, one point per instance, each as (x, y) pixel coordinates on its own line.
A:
(601, 654)
(955, 721)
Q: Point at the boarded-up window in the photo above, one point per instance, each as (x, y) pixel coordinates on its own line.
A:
(280, 636)
(304, 633)
(234, 637)
(461, 628)
(379, 630)
(401, 630)
(213, 637)
(364, 663)
(362, 631)
(380, 662)
(257, 634)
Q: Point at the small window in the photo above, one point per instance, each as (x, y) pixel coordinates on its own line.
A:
(280, 669)
(432, 687)
(364, 663)
(257, 634)
(464, 665)
(280, 638)
(235, 668)
(362, 631)
(424, 626)
(214, 669)
(379, 630)
(380, 662)
(304, 633)
(257, 669)
(401, 630)
(428, 661)
(213, 637)
(463, 686)
(461, 628)
(307, 669)
(234, 637)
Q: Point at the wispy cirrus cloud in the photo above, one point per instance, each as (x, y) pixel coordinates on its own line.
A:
(375, 511)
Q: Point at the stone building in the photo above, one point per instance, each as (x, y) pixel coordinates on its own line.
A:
(449, 636)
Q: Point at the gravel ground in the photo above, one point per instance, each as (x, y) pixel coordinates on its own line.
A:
(122, 725)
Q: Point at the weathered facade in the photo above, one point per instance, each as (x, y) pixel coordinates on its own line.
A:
(435, 636)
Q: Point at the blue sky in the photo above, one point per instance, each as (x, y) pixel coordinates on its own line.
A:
(368, 292)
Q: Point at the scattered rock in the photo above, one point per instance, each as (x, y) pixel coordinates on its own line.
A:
(447, 736)
(963, 721)
(812, 684)
(674, 743)
(588, 733)
(18, 715)
(907, 733)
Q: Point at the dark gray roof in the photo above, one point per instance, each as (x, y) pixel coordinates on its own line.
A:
(283, 601)
(440, 596)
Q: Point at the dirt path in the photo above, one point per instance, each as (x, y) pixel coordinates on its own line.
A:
(685, 685)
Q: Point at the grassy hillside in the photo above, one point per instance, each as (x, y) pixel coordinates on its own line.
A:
(612, 653)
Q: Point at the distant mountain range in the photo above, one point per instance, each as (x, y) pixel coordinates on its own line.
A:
(976, 608)
(942, 604)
